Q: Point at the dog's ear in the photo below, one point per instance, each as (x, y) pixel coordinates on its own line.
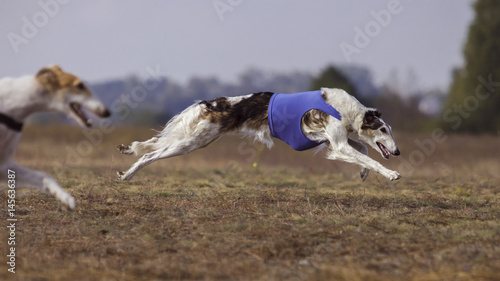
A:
(55, 68)
(371, 120)
(48, 78)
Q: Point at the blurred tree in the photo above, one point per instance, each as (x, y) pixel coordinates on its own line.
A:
(330, 77)
(473, 99)
(401, 112)
(362, 79)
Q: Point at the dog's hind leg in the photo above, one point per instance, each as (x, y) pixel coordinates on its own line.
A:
(167, 149)
(363, 149)
(138, 148)
(145, 160)
(172, 150)
(43, 182)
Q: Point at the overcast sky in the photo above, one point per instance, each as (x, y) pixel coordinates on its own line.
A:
(98, 39)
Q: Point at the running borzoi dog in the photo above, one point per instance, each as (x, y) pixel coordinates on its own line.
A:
(302, 120)
(51, 89)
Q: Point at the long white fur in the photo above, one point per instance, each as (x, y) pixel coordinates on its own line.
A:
(189, 131)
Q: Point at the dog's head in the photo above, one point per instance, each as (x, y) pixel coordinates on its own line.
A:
(375, 132)
(66, 93)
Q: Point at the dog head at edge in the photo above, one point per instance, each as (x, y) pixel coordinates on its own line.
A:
(68, 94)
(376, 133)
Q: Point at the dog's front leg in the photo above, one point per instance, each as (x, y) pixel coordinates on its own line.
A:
(41, 181)
(340, 149)
(363, 149)
(347, 153)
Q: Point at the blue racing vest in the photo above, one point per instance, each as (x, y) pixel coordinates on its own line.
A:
(285, 114)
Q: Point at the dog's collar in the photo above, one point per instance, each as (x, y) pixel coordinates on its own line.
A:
(11, 123)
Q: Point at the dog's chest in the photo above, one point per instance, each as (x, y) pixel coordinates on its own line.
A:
(285, 114)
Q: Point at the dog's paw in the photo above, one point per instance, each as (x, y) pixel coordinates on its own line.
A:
(69, 202)
(364, 173)
(125, 149)
(123, 176)
(393, 175)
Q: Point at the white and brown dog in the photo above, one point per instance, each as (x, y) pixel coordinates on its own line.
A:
(302, 120)
(51, 89)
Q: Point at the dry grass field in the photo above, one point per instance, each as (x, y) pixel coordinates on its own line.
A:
(211, 215)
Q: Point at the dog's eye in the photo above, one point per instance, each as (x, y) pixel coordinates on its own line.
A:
(383, 130)
(80, 86)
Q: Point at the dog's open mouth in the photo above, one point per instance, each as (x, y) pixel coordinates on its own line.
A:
(384, 150)
(77, 109)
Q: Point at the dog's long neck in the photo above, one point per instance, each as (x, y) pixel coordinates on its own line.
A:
(351, 110)
(20, 97)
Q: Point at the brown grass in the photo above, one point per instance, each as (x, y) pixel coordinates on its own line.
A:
(211, 216)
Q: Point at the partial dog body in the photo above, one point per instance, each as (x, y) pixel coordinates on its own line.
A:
(50, 89)
(247, 116)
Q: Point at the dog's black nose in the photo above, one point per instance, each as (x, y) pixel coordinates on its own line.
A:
(397, 152)
(106, 113)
